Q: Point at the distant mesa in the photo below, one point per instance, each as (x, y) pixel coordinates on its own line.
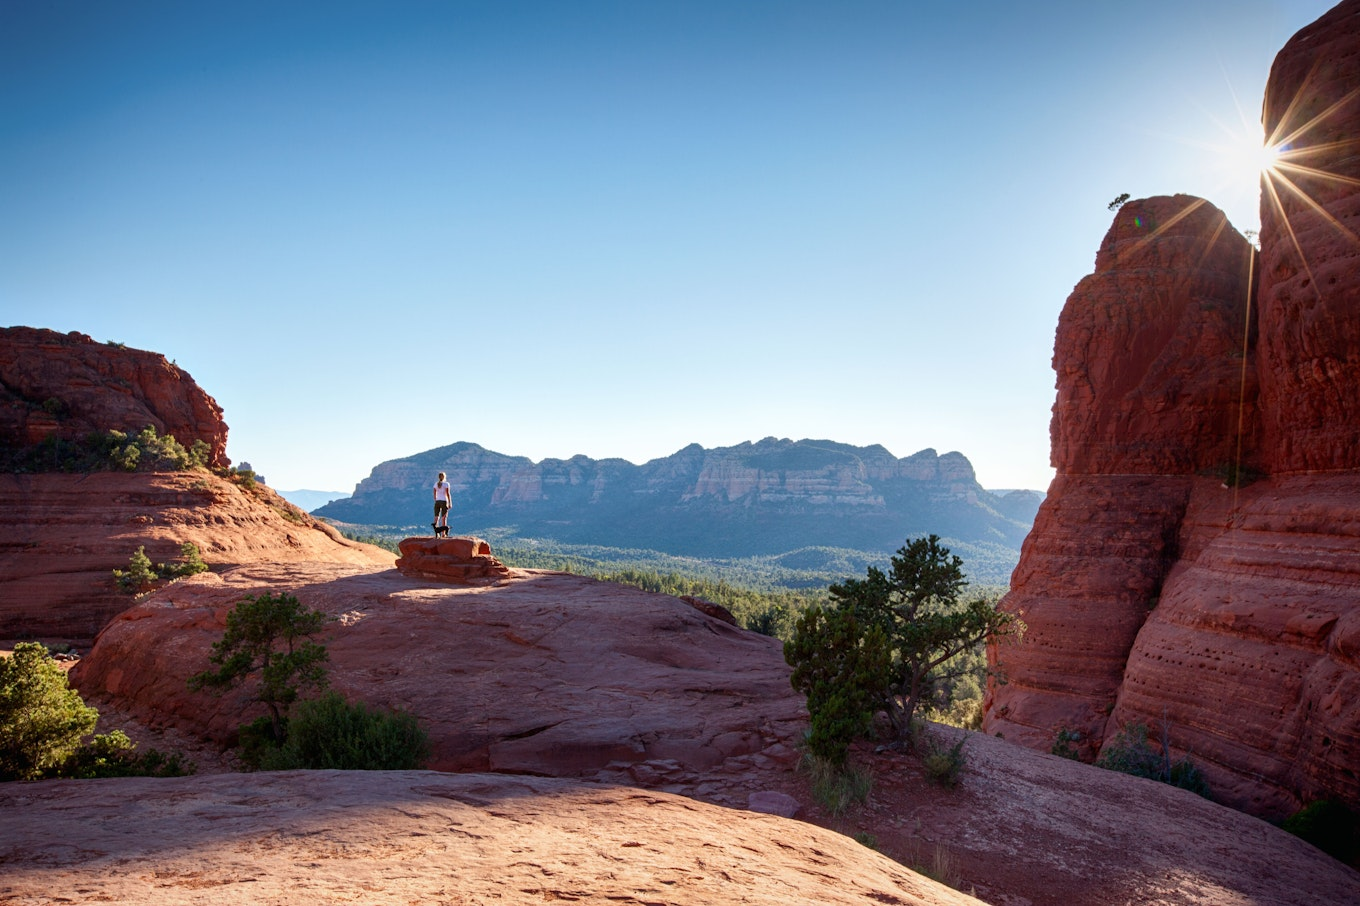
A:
(762, 498)
(1197, 559)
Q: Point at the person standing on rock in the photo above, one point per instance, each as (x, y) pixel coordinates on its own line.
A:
(443, 500)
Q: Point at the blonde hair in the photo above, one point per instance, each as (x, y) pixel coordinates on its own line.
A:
(441, 476)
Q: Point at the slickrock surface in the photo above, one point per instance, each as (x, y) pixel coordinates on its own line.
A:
(421, 837)
(67, 385)
(544, 674)
(449, 559)
(558, 675)
(62, 535)
(1153, 592)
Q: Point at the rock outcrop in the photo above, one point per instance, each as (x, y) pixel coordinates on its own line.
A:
(1310, 251)
(449, 560)
(752, 499)
(405, 837)
(66, 386)
(63, 535)
(545, 673)
(1197, 560)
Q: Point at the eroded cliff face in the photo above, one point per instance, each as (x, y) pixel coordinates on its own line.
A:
(62, 534)
(67, 385)
(1156, 588)
(1310, 250)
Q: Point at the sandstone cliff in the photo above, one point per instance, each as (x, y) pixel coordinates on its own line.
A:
(752, 499)
(1197, 559)
(63, 533)
(65, 386)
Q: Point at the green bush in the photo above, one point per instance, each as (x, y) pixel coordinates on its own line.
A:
(1066, 744)
(269, 636)
(114, 755)
(1330, 826)
(943, 765)
(42, 719)
(837, 665)
(1130, 752)
(331, 733)
(141, 576)
(893, 642)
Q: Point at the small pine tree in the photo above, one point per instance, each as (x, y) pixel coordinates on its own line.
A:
(270, 637)
(139, 576)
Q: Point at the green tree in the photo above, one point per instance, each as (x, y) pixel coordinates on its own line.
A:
(269, 635)
(838, 664)
(914, 612)
(42, 719)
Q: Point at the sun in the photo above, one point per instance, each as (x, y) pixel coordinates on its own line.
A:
(1266, 158)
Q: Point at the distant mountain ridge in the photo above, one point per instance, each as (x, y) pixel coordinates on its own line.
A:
(752, 499)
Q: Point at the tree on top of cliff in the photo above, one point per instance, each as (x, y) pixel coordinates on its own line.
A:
(893, 639)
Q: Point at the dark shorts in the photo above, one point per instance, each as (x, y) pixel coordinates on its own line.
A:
(441, 507)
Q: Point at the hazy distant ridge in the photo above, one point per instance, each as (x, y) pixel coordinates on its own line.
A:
(767, 497)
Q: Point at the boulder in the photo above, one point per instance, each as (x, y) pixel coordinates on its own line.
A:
(449, 560)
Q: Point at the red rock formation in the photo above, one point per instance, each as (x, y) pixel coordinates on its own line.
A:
(1310, 250)
(67, 385)
(1149, 347)
(544, 674)
(449, 559)
(62, 535)
(1232, 614)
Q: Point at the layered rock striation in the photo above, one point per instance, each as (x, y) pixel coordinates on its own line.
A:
(1196, 563)
(63, 535)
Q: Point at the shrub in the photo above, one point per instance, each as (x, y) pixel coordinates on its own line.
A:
(114, 755)
(1330, 826)
(943, 765)
(1130, 752)
(331, 733)
(140, 576)
(1066, 742)
(836, 786)
(42, 719)
(837, 665)
(897, 641)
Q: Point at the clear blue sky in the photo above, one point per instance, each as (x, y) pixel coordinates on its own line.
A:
(610, 228)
